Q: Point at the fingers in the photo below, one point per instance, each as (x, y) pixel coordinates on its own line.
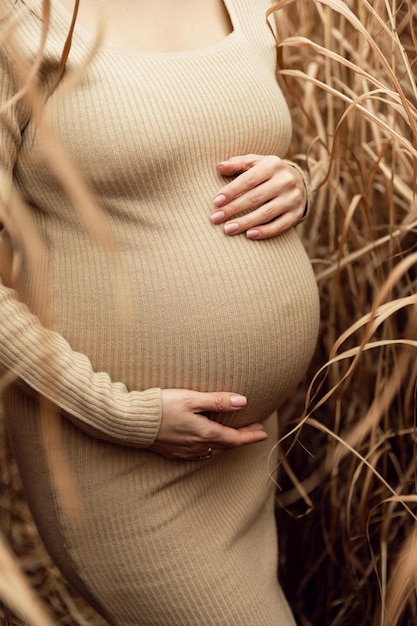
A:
(252, 187)
(236, 437)
(186, 433)
(199, 402)
(227, 438)
(270, 192)
(269, 219)
(237, 164)
(219, 402)
(212, 442)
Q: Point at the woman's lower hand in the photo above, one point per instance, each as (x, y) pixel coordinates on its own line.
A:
(273, 191)
(186, 433)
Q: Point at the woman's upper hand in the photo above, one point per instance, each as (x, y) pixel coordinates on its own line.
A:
(186, 433)
(268, 187)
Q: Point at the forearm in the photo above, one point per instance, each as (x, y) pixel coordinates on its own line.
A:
(46, 363)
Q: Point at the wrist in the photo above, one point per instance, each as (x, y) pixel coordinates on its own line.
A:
(307, 187)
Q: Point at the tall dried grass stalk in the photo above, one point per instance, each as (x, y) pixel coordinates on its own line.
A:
(351, 70)
(15, 591)
(347, 502)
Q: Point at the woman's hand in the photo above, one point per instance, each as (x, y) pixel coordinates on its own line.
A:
(187, 434)
(273, 191)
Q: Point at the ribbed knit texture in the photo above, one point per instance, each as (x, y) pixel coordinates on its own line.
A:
(147, 540)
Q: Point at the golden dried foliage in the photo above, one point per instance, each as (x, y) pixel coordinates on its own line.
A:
(349, 473)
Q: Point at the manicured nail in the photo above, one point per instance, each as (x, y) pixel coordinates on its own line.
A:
(231, 228)
(217, 217)
(252, 234)
(219, 200)
(238, 401)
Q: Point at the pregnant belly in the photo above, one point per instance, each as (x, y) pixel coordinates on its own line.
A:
(235, 316)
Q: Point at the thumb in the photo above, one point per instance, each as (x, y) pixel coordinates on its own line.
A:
(237, 164)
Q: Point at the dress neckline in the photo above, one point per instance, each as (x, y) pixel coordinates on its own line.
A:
(90, 38)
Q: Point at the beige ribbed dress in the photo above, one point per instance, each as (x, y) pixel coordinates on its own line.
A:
(150, 541)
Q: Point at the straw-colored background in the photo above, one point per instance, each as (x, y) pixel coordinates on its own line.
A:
(347, 486)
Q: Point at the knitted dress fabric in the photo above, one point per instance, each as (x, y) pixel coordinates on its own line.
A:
(178, 304)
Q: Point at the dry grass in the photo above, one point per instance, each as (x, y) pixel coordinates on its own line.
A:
(348, 557)
(347, 499)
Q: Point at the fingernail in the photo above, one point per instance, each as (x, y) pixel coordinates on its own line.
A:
(231, 228)
(252, 234)
(217, 216)
(219, 200)
(238, 401)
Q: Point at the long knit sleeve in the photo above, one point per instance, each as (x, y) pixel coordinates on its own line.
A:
(45, 361)
(42, 358)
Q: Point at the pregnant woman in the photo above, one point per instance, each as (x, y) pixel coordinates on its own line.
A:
(143, 376)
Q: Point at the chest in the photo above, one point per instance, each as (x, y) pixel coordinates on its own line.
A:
(155, 25)
(138, 117)
(137, 121)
